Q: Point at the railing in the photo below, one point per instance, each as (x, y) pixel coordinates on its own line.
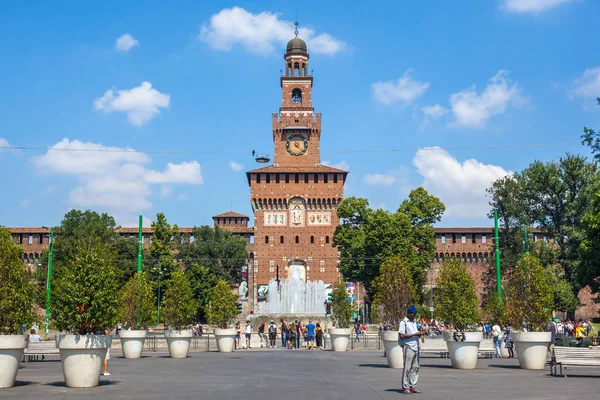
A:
(159, 342)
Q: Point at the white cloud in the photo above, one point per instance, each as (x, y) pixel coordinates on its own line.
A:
(473, 110)
(343, 165)
(166, 191)
(25, 202)
(112, 178)
(236, 166)
(125, 43)
(406, 89)
(460, 186)
(379, 179)
(588, 84)
(261, 33)
(435, 111)
(532, 6)
(49, 190)
(4, 142)
(141, 103)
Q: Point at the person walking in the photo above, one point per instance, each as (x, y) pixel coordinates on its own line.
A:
(272, 334)
(248, 334)
(409, 337)
(496, 333)
(283, 336)
(106, 373)
(298, 333)
(310, 335)
(293, 335)
(319, 336)
(357, 330)
(508, 343)
(238, 335)
(261, 334)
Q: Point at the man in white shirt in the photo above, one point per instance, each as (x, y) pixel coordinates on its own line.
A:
(409, 337)
(248, 333)
(496, 334)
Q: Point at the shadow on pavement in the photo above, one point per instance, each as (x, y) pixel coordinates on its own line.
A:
(24, 383)
(373, 365)
(435, 366)
(102, 383)
(504, 366)
(400, 390)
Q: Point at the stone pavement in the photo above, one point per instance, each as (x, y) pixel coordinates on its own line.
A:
(293, 375)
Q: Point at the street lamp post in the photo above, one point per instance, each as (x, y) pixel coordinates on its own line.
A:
(48, 282)
(431, 292)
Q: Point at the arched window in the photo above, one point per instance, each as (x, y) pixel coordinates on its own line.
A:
(327, 239)
(296, 69)
(281, 239)
(297, 239)
(296, 96)
(312, 240)
(266, 239)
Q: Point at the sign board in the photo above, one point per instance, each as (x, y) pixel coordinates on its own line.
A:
(243, 290)
(350, 290)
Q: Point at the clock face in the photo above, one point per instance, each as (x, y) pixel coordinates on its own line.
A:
(296, 145)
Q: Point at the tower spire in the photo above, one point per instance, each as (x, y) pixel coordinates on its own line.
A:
(296, 24)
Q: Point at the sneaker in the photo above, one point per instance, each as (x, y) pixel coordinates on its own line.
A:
(406, 391)
(106, 374)
(415, 390)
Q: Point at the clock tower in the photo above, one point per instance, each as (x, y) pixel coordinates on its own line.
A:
(295, 199)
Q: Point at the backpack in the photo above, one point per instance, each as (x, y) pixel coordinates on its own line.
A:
(401, 341)
(272, 329)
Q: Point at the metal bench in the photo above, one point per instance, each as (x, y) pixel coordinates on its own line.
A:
(35, 350)
(573, 357)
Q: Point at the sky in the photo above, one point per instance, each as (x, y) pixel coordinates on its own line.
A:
(446, 95)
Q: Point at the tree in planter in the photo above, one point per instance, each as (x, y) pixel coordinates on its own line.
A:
(529, 295)
(493, 308)
(222, 305)
(394, 290)
(85, 297)
(457, 299)
(16, 288)
(138, 304)
(340, 307)
(179, 305)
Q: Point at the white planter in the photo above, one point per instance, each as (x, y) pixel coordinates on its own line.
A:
(339, 338)
(82, 358)
(132, 342)
(532, 348)
(393, 351)
(225, 339)
(179, 342)
(11, 354)
(463, 348)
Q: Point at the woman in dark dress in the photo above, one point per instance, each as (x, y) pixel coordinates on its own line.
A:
(319, 336)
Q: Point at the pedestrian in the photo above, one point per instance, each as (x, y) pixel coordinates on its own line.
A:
(107, 357)
(261, 334)
(508, 343)
(34, 337)
(238, 335)
(319, 336)
(496, 333)
(248, 333)
(298, 333)
(310, 335)
(293, 335)
(283, 337)
(357, 330)
(272, 334)
(409, 338)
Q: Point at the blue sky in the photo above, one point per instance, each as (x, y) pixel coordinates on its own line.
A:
(178, 80)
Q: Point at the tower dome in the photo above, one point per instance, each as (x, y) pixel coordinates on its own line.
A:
(296, 45)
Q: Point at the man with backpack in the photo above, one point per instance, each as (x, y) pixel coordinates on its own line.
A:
(408, 336)
(272, 334)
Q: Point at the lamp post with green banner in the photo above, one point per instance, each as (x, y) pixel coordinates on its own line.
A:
(49, 282)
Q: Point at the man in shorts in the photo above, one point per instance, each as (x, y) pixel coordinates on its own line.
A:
(310, 335)
(106, 373)
(248, 333)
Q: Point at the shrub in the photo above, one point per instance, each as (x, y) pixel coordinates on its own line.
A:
(340, 306)
(222, 305)
(85, 296)
(138, 304)
(529, 296)
(457, 299)
(394, 290)
(179, 306)
(493, 308)
(16, 288)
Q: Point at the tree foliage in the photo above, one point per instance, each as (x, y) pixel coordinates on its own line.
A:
(394, 290)
(529, 297)
(365, 237)
(178, 305)
(457, 298)
(493, 308)
(341, 308)
(16, 288)
(591, 138)
(160, 254)
(589, 271)
(85, 295)
(138, 303)
(222, 305)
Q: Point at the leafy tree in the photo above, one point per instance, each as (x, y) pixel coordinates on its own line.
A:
(160, 253)
(591, 138)
(457, 297)
(529, 296)
(589, 271)
(85, 296)
(365, 237)
(178, 304)
(202, 282)
(222, 305)
(340, 306)
(16, 288)
(138, 303)
(394, 290)
(493, 308)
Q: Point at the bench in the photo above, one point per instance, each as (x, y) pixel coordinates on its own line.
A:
(573, 357)
(35, 350)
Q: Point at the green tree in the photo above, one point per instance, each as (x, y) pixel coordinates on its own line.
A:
(202, 282)
(341, 308)
(85, 297)
(365, 237)
(160, 254)
(457, 298)
(591, 138)
(394, 290)
(529, 297)
(589, 271)
(16, 288)
(493, 308)
(222, 305)
(178, 305)
(138, 303)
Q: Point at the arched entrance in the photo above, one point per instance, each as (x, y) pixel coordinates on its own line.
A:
(297, 272)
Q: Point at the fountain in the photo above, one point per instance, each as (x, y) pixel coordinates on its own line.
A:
(294, 296)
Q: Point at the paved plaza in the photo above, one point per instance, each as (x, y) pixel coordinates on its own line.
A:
(294, 375)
